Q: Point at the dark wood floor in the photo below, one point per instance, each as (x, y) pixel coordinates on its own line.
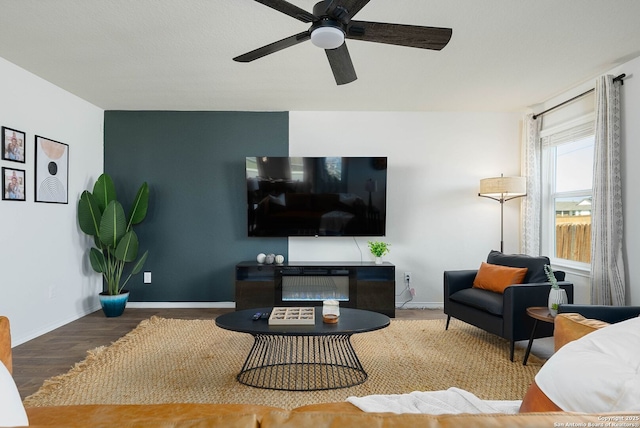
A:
(56, 352)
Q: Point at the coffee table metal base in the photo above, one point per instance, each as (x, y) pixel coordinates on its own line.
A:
(302, 363)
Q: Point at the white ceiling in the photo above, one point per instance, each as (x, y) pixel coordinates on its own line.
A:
(504, 55)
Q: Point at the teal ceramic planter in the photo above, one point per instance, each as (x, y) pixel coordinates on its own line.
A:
(113, 306)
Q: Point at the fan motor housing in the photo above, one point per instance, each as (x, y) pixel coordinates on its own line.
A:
(339, 13)
(327, 22)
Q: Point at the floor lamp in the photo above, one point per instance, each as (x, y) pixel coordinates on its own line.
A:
(503, 189)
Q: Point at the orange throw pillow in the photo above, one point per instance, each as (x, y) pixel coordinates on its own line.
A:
(569, 327)
(537, 401)
(496, 278)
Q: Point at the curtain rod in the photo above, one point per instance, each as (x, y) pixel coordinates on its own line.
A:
(619, 78)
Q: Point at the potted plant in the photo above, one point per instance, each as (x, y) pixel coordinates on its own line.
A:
(557, 295)
(101, 216)
(378, 249)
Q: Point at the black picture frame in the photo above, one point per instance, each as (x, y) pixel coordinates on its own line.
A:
(51, 171)
(13, 145)
(13, 184)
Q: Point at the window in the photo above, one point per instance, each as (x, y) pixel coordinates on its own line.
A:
(567, 190)
(333, 166)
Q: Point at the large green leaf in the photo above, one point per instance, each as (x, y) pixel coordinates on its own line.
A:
(127, 249)
(140, 205)
(113, 225)
(104, 191)
(89, 214)
(98, 262)
(138, 266)
(102, 216)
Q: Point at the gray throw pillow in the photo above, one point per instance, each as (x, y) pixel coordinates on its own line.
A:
(535, 265)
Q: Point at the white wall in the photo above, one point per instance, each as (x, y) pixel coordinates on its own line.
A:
(44, 282)
(435, 220)
(630, 95)
(631, 175)
(441, 157)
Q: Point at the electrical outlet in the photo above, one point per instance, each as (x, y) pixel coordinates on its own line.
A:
(407, 277)
(147, 277)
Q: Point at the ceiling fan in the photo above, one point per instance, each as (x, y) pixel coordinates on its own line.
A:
(331, 23)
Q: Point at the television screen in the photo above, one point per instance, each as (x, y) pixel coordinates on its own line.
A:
(316, 196)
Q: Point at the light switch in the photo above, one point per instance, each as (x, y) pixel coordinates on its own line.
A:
(147, 277)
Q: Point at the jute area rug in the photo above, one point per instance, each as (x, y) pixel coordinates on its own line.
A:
(194, 361)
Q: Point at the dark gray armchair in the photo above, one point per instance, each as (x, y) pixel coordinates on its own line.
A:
(502, 314)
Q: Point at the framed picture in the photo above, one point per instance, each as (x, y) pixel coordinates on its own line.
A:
(52, 171)
(13, 181)
(12, 145)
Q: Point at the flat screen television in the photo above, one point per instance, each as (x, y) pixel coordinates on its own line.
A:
(316, 196)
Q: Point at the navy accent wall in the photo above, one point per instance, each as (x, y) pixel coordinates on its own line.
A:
(195, 229)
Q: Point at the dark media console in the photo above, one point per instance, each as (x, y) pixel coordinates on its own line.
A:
(356, 285)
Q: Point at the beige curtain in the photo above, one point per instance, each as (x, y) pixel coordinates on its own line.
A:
(607, 265)
(531, 204)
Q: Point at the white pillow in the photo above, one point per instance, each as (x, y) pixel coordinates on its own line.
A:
(598, 373)
(12, 411)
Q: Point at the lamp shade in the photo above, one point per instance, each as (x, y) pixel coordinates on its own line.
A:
(503, 186)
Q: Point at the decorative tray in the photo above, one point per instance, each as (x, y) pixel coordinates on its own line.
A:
(292, 316)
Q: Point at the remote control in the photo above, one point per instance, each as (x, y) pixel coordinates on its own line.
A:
(265, 315)
(256, 316)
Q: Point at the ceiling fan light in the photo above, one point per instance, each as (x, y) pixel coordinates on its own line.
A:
(327, 37)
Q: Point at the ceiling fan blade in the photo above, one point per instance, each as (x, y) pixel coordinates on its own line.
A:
(353, 6)
(274, 47)
(398, 34)
(341, 65)
(289, 9)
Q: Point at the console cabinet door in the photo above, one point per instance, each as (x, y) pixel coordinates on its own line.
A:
(377, 296)
(254, 294)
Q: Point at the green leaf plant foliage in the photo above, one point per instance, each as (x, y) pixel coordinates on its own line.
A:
(378, 248)
(101, 216)
(551, 277)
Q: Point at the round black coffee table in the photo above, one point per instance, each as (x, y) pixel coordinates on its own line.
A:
(303, 357)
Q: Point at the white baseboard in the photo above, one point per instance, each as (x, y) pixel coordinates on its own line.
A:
(180, 305)
(419, 305)
(50, 327)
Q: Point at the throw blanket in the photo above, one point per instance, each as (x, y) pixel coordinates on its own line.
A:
(451, 401)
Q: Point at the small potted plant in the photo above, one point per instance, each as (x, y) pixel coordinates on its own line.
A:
(101, 216)
(557, 295)
(378, 249)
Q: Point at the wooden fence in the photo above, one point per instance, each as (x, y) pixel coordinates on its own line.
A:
(573, 241)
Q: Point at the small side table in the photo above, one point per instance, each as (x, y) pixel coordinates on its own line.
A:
(538, 313)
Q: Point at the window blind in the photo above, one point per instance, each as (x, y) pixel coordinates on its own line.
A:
(567, 135)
